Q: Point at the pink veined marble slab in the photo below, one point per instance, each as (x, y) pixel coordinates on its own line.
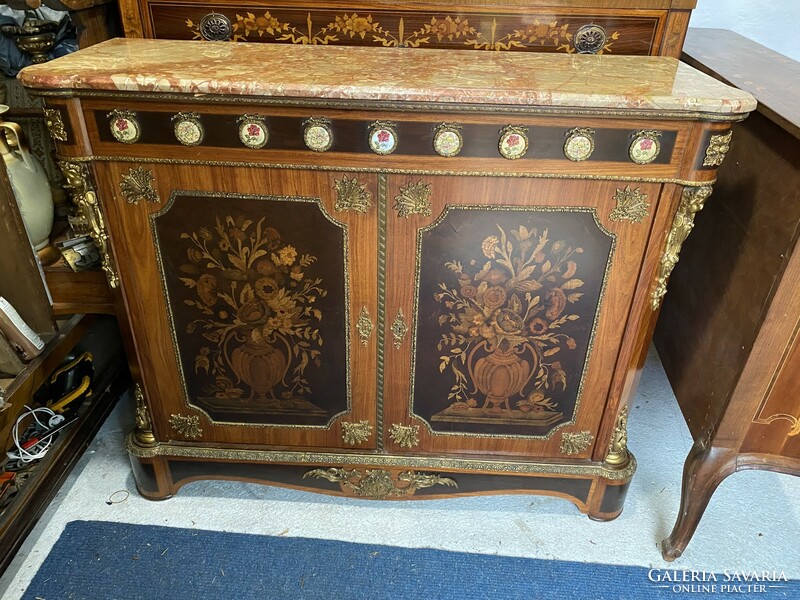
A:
(389, 74)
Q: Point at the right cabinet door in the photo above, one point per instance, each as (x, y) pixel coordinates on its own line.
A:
(506, 303)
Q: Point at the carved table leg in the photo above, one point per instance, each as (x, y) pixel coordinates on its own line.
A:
(706, 467)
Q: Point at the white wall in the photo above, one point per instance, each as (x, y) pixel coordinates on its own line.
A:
(771, 23)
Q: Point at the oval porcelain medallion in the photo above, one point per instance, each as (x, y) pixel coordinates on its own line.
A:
(188, 129)
(447, 140)
(579, 145)
(253, 131)
(124, 126)
(382, 138)
(513, 142)
(317, 134)
(645, 147)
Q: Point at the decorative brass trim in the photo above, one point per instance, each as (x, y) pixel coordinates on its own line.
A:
(85, 198)
(253, 131)
(634, 150)
(447, 139)
(509, 143)
(128, 118)
(215, 27)
(168, 304)
(186, 426)
(383, 201)
(618, 454)
(329, 103)
(399, 328)
(406, 436)
(595, 320)
(579, 145)
(364, 326)
(188, 129)
(414, 199)
(391, 171)
(356, 433)
(692, 202)
(144, 426)
(351, 194)
(400, 461)
(632, 205)
(382, 137)
(137, 185)
(378, 483)
(317, 134)
(55, 124)
(575, 443)
(718, 146)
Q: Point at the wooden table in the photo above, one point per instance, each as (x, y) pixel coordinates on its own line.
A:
(729, 331)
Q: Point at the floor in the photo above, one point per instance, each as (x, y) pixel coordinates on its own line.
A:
(752, 523)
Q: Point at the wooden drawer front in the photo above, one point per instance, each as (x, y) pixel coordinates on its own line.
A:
(547, 139)
(508, 340)
(534, 30)
(246, 293)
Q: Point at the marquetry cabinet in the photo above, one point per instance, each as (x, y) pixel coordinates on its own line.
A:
(437, 280)
(637, 27)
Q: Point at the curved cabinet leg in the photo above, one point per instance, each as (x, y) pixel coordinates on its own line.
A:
(705, 468)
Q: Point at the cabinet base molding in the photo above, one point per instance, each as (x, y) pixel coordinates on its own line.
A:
(597, 489)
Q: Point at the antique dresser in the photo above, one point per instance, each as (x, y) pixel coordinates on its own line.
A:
(729, 335)
(639, 27)
(385, 273)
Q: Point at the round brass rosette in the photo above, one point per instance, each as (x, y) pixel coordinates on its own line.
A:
(188, 129)
(447, 140)
(382, 138)
(317, 134)
(645, 147)
(124, 126)
(253, 131)
(579, 145)
(513, 142)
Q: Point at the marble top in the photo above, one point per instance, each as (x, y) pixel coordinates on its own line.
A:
(389, 74)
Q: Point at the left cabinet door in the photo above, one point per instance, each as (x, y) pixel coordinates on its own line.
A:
(251, 299)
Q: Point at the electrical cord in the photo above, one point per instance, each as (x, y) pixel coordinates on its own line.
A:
(29, 452)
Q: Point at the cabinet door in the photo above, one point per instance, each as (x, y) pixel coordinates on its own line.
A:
(506, 303)
(250, 294)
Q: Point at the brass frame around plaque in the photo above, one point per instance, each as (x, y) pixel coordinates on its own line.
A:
(447, 128)
(572, 135)
(639, 136)
(194, 119)
(129, 116)
(507, 132)
(377, 126)
(321, 123)
(246, 120)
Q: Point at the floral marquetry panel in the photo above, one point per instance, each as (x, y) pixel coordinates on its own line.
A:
(256, 290)
(507, 304)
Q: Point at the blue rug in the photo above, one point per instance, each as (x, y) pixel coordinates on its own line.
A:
(107, 561)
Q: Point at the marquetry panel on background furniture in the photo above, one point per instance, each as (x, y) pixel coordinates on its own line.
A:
(638, 27)
(729, 331)
(385, 298)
